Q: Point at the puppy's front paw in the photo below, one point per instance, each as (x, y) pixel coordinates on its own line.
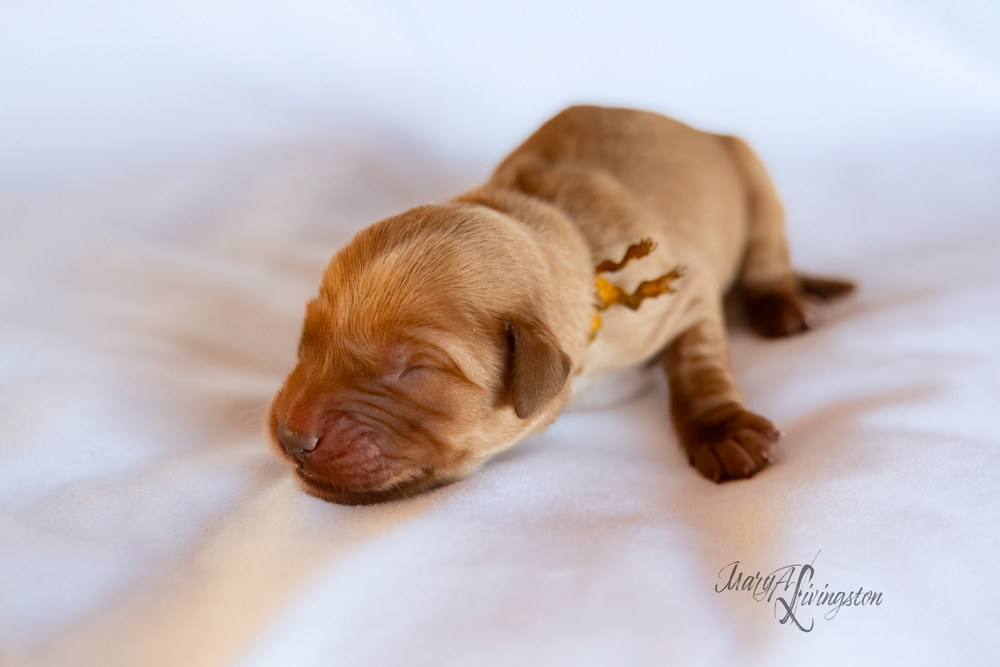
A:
(733, 448)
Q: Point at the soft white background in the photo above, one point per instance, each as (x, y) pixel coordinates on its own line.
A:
(173, 178)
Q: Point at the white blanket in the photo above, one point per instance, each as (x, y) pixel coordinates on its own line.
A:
(150, 307)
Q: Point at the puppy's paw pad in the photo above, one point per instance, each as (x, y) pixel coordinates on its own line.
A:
(734, 448)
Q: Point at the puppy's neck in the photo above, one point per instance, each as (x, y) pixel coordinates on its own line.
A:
(567, 297)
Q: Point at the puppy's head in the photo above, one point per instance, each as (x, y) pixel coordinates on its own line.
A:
(425, 353)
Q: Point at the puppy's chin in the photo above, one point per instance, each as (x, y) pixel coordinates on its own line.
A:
(342, 496)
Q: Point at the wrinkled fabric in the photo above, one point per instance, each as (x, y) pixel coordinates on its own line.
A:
(150, 304)
(143, 521)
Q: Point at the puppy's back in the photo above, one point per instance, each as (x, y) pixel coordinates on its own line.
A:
(622, 174)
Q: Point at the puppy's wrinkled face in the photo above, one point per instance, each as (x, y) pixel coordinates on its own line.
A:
(411, 370)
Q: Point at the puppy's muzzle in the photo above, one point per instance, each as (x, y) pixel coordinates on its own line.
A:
(339, 450)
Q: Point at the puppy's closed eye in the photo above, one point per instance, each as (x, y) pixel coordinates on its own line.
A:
(415, 368)
(418, 371)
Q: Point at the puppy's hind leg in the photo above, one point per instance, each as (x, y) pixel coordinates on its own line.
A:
(777, 300)
(723, 439)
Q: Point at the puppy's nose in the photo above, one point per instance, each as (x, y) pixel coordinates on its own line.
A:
(297, 444)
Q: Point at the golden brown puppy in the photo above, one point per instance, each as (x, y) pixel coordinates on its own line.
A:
(448, 333)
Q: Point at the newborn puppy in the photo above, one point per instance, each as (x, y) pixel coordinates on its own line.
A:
(448, 333)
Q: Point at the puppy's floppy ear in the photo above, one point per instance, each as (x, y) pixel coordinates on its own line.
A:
(536, 367)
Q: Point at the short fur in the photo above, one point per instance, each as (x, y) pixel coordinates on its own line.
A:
(448, 333)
